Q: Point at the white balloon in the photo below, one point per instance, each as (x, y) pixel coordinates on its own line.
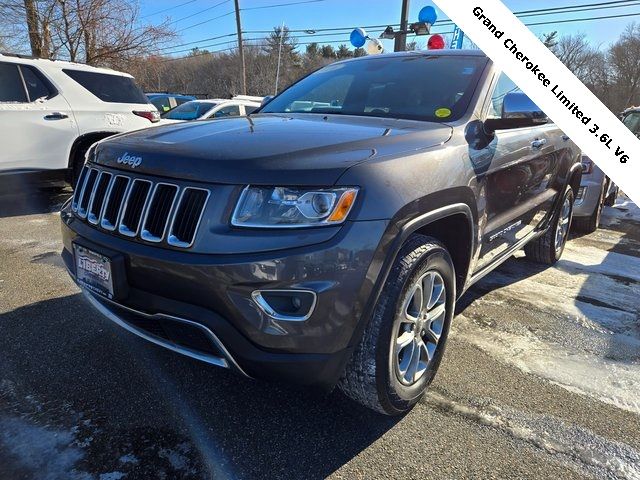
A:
(374, 46)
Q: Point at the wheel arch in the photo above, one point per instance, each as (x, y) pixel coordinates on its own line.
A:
(84, 141)
(460, 241)
(574, 177)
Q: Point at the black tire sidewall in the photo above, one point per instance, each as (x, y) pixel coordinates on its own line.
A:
(394, 396)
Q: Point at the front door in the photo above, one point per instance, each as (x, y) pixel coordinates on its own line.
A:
(37, 126)
(518, 191)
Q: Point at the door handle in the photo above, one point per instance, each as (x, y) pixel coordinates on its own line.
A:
(538, 143)
(56, 116)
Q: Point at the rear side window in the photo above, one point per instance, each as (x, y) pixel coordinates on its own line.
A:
(36, 86)
(11, 86)
(161, 103)
(109, 88)
(181, 100)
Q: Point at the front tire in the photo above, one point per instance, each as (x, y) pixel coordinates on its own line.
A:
(404, 342)
(548, 248)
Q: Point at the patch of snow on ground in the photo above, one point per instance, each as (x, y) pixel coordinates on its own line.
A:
(576, 324)
(613, 382)
(47, 453)
(577, 447)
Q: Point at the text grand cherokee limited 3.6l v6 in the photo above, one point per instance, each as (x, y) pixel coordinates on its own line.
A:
(325, 239)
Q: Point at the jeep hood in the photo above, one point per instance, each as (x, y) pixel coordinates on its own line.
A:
(275, 149)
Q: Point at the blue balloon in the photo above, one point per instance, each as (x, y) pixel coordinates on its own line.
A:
(428, 15)
(358, 37)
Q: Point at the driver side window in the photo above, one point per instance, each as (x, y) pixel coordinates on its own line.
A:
(504, 86)
(230, 111)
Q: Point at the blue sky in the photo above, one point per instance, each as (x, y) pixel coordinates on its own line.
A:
(352, 13)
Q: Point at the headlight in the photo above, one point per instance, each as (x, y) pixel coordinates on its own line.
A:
(284, 207)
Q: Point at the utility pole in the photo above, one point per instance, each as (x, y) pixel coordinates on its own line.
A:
(279, 58)
(401, 36)
(241, 48)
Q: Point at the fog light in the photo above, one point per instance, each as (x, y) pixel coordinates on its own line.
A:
(286, 305)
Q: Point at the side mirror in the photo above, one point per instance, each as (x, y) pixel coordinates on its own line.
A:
(518, 111)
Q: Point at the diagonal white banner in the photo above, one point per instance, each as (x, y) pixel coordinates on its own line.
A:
(564, 98)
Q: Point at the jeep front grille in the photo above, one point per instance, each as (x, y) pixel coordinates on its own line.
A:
(155, 212)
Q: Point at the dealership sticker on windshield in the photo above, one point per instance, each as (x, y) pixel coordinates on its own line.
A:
(443, 113)
(552, 86)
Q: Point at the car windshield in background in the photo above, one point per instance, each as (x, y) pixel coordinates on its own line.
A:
(109, 88)
(189, 111)
(417, 87)
(632, 122)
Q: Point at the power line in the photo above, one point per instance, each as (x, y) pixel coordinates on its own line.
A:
(522, 13)
(199, 12)
(627, 3)
(170, 8)
(283, 5)
(243, 9)
(206, 21)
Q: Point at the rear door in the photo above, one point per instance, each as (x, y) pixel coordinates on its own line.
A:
(518, 182)
(36, 124)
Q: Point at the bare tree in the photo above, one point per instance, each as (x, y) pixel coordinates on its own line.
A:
(576, 53)
(624, 58)
(97, 32)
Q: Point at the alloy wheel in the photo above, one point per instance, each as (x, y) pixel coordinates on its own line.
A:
(420, 327)
(562, 230)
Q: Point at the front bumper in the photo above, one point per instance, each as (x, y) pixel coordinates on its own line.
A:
(215, 292)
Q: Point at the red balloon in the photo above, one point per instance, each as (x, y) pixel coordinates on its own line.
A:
(436, 42)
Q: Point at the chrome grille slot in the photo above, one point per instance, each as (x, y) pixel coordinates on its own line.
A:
(87, 192)
(77, 188)
(134, 207)
(99, 193)
(114, 200)
(145, 209)
(187, 217)
(157, 216)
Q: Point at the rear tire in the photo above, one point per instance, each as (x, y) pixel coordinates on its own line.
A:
(404, 342)
(610, 201)
(548, 248)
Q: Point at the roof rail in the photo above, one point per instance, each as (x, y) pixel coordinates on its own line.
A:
(20, 55)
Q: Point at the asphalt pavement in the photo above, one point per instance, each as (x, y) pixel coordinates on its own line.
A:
(541, 379)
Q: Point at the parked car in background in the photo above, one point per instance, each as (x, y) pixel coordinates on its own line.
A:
(325, 244)
(165, 102)
(596, 191)
(51, 112)
(631, 119)
(213, 108)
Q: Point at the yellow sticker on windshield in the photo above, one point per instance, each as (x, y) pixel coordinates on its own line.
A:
(443, 113)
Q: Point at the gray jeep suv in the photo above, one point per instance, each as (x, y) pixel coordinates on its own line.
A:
(325, 239)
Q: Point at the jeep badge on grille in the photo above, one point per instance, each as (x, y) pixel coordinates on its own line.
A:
(130, 160)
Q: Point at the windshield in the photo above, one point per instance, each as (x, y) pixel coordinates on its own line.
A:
(632, 122)
(418, 87)
(189, 111)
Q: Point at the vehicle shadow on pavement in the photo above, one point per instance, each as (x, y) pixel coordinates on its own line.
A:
(117, 397)
(16, 201)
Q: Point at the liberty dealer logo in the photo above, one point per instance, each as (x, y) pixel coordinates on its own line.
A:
(131, 160)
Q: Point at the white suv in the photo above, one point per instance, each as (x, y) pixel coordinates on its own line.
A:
(51, 112)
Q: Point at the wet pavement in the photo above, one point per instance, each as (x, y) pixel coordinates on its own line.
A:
(541, 379)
